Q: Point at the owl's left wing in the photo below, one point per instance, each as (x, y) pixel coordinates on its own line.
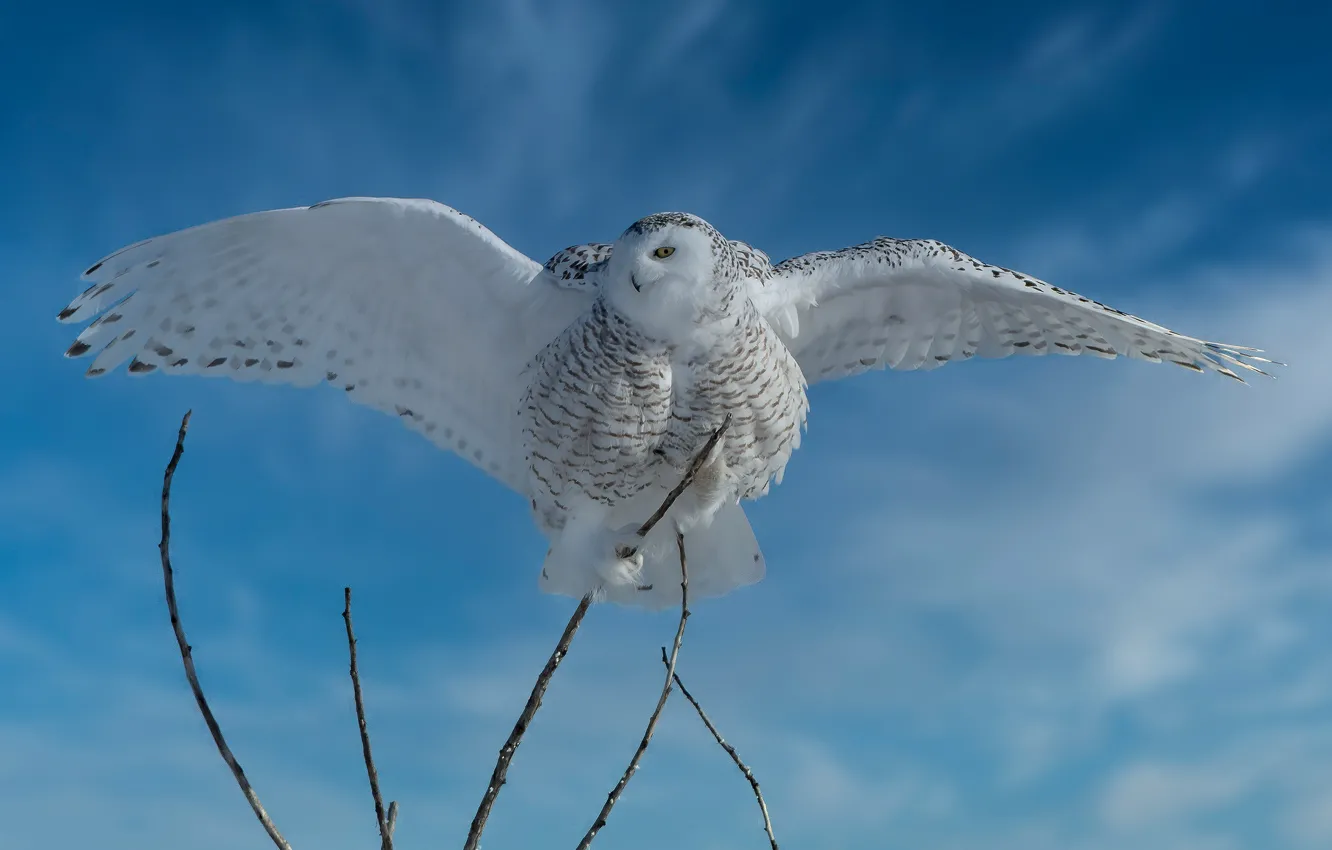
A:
(918, 304)
(408, 305)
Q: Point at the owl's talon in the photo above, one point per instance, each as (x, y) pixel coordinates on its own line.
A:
(621, 562)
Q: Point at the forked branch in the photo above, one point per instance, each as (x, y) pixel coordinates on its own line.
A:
(387, 820)
(730, 751)
(186, 654)
(614, 796)
(499, 775)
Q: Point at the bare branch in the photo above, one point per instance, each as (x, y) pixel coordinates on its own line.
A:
(691, 473)
(385, 831)
(730, 750)
(498, 776)
(629, 771)
(392, 817)
(186, 654)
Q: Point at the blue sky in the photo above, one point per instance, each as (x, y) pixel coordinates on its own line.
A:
(1042, 603)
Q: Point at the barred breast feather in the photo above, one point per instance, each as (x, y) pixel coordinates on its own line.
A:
(598, 404)
(610, 413)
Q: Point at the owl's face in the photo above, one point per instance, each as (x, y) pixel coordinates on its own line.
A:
(672, 272)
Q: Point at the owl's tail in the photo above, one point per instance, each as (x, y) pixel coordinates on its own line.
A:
(721, 556)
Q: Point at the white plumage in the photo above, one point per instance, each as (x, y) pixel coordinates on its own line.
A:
(585, 384)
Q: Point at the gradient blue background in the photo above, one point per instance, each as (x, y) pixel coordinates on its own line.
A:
(1039, 603)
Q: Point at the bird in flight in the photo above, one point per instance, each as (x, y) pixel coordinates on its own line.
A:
(586, 384)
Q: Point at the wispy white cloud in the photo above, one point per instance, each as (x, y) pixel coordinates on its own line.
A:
(1286, 765)
(1149, 794)
(1058, 69)
(676, 35)
(1128, 229)
(822, 793)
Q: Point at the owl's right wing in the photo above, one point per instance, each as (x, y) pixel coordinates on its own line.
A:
(410, 306)
(918, 304)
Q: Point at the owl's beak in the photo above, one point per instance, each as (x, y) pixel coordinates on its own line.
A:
(634, 281)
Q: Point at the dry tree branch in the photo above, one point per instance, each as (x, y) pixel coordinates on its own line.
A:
(629, 771)
(695, 466)
(388, 821)
(385, 829)
(730, 751)
(499, 775)
(186, 654)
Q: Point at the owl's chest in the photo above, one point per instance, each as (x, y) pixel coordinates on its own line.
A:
(752, 377)
(597, 407)
(594, 399)
(609, 413)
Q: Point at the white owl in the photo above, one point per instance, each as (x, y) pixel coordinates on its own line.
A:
(586, 384)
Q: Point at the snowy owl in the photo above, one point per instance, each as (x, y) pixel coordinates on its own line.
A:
(586, 384)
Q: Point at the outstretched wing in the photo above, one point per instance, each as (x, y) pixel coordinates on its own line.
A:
(410, 306)
(918, 304)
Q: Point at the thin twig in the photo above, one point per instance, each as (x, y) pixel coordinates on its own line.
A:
(385, 833)
(186, 654)
(392, 817)
(629, 771)
(730, 751)
(498, 776)
(691, 473)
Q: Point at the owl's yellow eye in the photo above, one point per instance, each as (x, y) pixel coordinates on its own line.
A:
(663, 252)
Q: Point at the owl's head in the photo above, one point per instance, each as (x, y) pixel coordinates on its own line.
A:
(673, 272)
